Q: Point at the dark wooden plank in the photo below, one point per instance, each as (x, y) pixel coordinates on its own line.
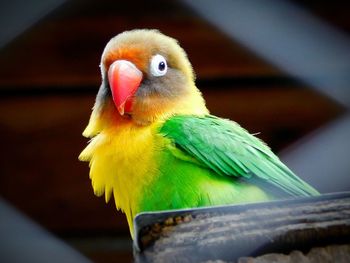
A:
(334, 13)
(65, 48)
(333, 253)
(230, 232)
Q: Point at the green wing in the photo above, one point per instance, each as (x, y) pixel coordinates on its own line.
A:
(229, 150)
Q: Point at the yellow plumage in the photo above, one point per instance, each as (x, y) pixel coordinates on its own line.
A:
(112, 163)
(112, 151)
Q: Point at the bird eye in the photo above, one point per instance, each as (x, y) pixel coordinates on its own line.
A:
(158, 66)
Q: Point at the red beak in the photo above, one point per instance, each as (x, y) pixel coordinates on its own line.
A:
(124, 79)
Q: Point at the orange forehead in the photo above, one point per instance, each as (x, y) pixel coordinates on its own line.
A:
(137, 56)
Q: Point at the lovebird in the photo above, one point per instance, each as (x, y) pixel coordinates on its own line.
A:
(155, 146)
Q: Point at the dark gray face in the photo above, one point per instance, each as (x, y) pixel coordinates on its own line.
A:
(171, 85)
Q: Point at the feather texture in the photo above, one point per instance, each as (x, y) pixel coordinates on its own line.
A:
(229, 150)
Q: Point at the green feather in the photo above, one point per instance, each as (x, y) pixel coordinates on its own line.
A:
(229, 150)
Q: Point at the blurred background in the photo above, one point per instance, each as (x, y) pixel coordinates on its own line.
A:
(279, 68)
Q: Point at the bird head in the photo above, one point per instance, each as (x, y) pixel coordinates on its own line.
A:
(146, 76)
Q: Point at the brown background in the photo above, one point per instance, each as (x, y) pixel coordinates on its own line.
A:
(49, 76)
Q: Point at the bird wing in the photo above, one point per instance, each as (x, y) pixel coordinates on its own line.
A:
(228, 149)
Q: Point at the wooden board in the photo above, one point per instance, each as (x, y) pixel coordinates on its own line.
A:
(229, 232)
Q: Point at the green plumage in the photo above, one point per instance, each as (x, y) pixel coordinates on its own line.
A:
(212, 161)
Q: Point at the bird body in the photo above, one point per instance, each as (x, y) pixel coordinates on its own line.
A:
(155, 146)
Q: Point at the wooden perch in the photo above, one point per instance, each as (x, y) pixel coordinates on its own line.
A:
(229, 232)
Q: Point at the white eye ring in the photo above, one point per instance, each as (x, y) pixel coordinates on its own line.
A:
(158, 66)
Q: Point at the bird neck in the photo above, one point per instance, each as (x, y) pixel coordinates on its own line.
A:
(158, 109)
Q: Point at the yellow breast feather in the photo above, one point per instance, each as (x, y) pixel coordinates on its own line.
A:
(121, 165)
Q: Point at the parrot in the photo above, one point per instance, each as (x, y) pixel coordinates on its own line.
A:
(154, 145)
